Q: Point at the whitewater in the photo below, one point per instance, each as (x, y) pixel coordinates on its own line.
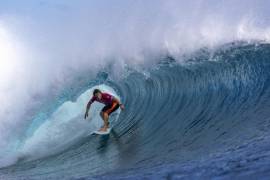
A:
(194, 78)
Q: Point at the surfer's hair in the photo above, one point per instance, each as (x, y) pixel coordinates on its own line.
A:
(96, 91)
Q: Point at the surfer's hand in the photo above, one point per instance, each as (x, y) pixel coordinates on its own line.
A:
(86, 115)
(122, 107)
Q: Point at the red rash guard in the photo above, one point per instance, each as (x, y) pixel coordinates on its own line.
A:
(106, 99)
(111, 104)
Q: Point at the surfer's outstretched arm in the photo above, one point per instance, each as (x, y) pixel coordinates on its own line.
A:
(87, 109)
(88, 106)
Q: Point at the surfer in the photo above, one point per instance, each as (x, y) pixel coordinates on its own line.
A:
(111, 105)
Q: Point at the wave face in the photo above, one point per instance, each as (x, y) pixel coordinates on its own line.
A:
(206, 117)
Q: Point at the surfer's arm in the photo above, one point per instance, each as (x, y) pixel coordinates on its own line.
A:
(88, 107)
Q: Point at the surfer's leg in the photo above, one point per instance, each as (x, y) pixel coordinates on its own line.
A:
(105, 118)
(101, 115)
(105, 113)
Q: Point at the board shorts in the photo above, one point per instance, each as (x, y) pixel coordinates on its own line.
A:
(110, 108)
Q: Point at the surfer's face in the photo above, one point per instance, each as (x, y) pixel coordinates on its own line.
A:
(98, 96)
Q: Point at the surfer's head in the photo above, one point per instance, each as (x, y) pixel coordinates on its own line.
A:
(97, 93)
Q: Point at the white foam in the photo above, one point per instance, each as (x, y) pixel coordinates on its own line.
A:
(64, 128)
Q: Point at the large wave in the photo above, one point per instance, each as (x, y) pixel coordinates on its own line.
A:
(46, 50)
(188, 72)
(213, 104)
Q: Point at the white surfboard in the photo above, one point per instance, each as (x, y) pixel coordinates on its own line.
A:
(103, 132)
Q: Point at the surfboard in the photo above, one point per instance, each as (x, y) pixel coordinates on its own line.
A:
(103, 132)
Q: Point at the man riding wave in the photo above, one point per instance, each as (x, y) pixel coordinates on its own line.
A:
(111, 104)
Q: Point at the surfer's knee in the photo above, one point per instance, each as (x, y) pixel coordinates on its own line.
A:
(105, 114)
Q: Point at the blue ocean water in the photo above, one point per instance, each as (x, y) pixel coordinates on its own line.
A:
(205, 118)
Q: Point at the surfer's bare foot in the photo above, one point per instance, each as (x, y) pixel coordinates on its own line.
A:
(103, 129)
